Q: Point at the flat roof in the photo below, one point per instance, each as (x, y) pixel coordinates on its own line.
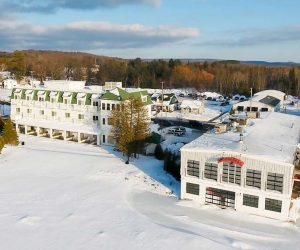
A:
(274, 137)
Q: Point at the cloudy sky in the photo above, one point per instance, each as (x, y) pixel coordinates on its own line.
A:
(222, 29)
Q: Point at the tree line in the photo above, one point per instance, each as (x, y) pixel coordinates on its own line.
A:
(227, 77)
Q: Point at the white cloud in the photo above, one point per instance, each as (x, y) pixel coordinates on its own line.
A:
(88, 35)
(54, 5)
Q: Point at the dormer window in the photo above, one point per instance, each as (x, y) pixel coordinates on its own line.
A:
(144, 98)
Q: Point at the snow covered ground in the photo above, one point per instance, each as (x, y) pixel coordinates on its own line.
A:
(63, 195)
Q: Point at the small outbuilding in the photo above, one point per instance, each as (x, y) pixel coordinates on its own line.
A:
(192, 107)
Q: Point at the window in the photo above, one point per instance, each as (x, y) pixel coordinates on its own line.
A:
(103, 106)
(273, 205)
(53, 113)
(192, 188)
(211, 171)
(79, 102)
(103, 121)
(67, 115)
(250, 200)
(29, 111)
(253, 178)
(18, 110)
(113, 106)
(95, 104)
(53, 100)
(65, 101)
(264, 109)
(193, 168)
(231, 173)
(103, 138)
(118, 107)
(41, 99)
(108, 106)
(95, 117)
(42, 112)
(275, 182)
(28, 98)
(109, 121)
(80, 116)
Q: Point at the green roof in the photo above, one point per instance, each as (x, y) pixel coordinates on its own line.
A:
(74, 98)
(88, 99)
(124, 95)
(47, 96)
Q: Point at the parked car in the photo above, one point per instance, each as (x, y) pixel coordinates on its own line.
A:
(179, 133)
(225, 103)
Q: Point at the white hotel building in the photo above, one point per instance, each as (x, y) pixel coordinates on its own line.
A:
(68, 110)
(252, 173)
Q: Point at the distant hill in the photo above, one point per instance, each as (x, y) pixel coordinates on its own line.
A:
(258, 63)
(34, 56)
(272, 64)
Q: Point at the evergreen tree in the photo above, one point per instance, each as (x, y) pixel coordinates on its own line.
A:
(158, 152)
(9, 133)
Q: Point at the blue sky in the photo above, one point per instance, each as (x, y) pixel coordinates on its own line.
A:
(222, 29)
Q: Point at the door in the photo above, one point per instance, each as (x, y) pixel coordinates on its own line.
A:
(220, 197)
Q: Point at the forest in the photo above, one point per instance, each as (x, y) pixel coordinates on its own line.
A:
(227, 77)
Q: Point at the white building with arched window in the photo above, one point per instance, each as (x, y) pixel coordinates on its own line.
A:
(251, 172)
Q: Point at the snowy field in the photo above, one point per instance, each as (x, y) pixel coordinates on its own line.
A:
(59, 195)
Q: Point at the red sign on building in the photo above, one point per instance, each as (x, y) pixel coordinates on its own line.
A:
(231, 160)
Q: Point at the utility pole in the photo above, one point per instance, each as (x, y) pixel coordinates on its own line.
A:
(162, 95)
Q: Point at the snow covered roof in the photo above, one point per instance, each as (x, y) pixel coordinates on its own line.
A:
(269, 92)
(53, 93)
(191, 104)
(274, 138)
(67, 94)
(17, 91)
(81, 95)
(96, 96)
(29, 92)
(41, 92)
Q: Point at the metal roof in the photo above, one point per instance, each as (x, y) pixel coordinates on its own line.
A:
(270, 100)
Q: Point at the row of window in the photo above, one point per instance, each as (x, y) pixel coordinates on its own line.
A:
(68, 115)
(248, 200)
(54, 113)
(108, 106)
(231, 173)
(242, 108)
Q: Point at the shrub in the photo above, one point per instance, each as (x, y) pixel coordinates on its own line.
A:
(158, 152)
(172, 164)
